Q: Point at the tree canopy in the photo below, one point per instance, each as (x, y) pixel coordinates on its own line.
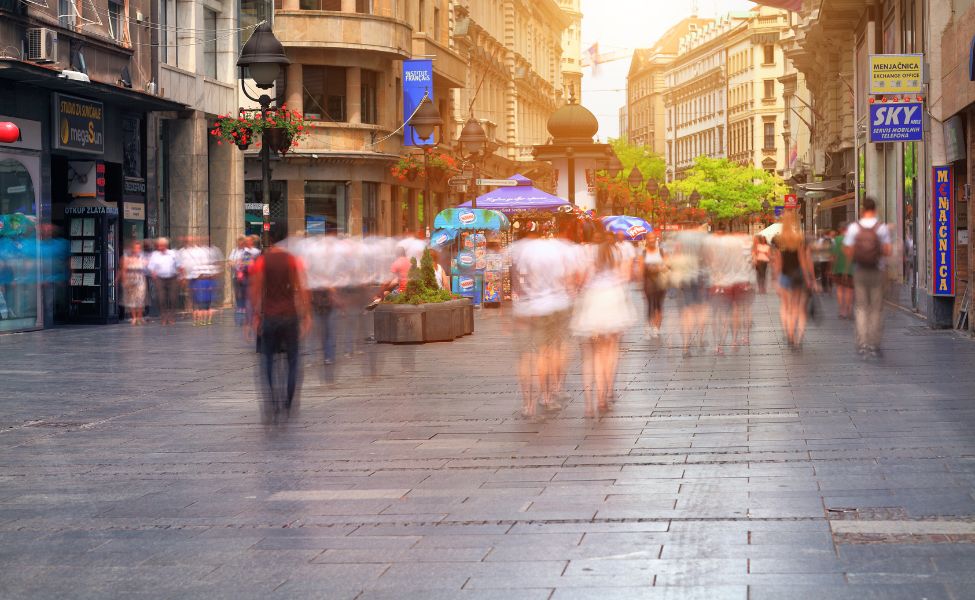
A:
(729, 190)
(651, 165)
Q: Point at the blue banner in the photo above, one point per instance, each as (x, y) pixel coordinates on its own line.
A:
(896, 122)
(944, 234)
(417, 81)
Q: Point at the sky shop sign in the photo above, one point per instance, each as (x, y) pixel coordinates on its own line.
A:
(944, 240)
(896, 73)
(79, 124)
(896, 122)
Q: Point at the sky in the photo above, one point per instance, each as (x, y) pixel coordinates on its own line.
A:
(627, 24)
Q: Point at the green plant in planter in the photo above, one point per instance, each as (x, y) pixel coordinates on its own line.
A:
(422, 288)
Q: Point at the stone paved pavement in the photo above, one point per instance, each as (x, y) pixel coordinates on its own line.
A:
(133, 464)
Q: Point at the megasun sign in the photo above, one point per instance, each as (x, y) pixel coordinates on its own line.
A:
(79, 124)
(896, 73)
(943, 215)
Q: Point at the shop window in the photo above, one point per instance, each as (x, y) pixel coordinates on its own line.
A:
(18, 267)
(370, 208)
(326, 208)
(254, 202)
(369, 87)
(768, 52)
(209, 44)
(324, 97)
(769, 136)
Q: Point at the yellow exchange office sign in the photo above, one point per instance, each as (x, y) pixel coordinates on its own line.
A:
(896, 73)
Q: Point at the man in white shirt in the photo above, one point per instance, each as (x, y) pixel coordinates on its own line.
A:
(164, 268)
(541, 272)
(867, 244)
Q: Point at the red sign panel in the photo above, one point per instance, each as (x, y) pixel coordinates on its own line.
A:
(791, 201)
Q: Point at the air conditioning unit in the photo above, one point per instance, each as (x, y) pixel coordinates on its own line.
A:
(42, 45)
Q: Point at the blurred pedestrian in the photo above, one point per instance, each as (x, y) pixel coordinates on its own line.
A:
(541, 272)
(842, 276)
(601, 315)
(867, 244)
(165, 270)
(240, 260)
(401, 269)
(822, 255)
(761, 255)
(133, 269)
(688, 276)
(794, 273)
(281, 314)
(654, 285)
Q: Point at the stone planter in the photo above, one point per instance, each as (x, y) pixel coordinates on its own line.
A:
(409, 324)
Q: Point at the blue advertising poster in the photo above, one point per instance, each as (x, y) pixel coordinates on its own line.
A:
(417, 81)
(896, 122)
(944, 238)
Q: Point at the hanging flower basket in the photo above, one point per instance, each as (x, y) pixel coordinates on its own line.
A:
(249, 125)
(436, 165)
(407, 168)
(436, 175)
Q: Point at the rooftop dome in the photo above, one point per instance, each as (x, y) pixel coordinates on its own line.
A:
(573, 124)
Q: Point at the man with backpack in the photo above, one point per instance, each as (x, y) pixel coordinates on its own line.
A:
(866, 244)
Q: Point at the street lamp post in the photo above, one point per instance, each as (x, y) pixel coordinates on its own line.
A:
(474, 142)
(262, 57)
(635, 180)
(423, 123)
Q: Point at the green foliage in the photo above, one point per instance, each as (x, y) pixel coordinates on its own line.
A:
(422, 285)
(729, 190)
(651, 165)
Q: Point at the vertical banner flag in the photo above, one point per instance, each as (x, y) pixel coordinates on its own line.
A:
(943, 235)
(417, 81)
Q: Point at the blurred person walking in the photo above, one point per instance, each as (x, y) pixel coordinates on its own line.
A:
(841, 273)
(793, 270)
(822, 255)
(867, 244)
(279, 300)
(761, 255)
(729, 265)
(132, 271)
(240, 260)
(654, 285)
(165, 270)
(688, 276)
(541, 271)
(602, 314)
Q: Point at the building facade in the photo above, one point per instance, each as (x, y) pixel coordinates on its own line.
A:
(696, 97)
(79, 82)
(646, 86)
(572, 50)
(756, 103)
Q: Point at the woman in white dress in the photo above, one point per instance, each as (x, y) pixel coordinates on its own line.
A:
(601, 316)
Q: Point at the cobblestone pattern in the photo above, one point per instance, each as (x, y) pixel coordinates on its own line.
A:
(133, 464)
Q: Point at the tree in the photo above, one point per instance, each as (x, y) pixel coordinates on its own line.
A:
(652, 165)
(729, 190)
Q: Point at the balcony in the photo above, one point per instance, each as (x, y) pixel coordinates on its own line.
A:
(447, 64)
(344, 31)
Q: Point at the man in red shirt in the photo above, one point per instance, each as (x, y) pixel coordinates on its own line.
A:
(281, 312)
(401, 268)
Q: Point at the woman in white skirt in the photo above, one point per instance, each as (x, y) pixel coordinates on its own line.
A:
(602, 314)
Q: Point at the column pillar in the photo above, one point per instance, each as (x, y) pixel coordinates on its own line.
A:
(188, 178)
(294, 96)
(353, 200)
(226, 190)
(296, 206)
(353, 94)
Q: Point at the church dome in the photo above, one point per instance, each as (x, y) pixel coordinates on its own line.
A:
(573, 123)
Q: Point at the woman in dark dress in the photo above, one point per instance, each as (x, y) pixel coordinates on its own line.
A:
(793, 270)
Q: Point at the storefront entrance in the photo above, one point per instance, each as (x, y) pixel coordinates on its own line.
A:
(20, 252)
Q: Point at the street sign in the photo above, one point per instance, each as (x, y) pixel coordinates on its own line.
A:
(791, 201)
(896, 73)
(896, 122)
(458, 180)
(944, 226)
(498, 182)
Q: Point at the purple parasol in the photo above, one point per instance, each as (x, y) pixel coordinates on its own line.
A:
(518, 197)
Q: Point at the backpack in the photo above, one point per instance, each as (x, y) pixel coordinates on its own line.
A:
(867, 248)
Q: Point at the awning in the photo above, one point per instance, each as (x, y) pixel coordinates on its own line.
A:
(28, 73)
(837, 201)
